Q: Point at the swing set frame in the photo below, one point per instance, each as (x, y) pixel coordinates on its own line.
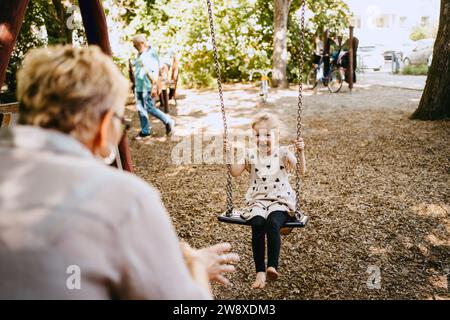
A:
(12, 14)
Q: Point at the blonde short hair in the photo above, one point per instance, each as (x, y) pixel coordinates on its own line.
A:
(140, 38)
(69, 89)
(265, 118)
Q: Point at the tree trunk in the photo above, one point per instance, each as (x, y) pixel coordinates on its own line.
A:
(280, 54)
(435, 102)
(11, 18)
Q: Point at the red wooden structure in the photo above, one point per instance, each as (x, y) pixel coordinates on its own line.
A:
(351, 57)
(12, 14)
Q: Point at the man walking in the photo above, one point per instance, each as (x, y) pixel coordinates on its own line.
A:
(146, 72)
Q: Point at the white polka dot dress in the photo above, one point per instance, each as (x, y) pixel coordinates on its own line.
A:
(269, 184)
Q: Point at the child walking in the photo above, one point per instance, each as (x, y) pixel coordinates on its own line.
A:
(270, 198)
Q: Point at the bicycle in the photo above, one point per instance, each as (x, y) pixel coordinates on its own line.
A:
(333, 79)
(264, 85)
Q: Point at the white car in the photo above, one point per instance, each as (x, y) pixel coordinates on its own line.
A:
(421, 52)
(370, 57)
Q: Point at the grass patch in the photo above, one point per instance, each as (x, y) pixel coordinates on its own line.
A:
(420, 70)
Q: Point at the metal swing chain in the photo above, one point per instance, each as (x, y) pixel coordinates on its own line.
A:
(300, 110)
(229, 185)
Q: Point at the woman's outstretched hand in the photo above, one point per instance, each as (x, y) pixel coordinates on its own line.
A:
(219, 259)
(216, 260)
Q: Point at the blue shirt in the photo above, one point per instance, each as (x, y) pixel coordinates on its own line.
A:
(146, 61)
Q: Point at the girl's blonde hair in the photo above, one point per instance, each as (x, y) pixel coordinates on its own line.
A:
(265, 118)
(69, 89)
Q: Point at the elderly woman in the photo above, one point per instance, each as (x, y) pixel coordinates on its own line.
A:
(70, 226)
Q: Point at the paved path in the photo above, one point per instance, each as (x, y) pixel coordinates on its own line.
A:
(390, 80)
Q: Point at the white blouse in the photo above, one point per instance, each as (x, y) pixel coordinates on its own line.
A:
(64, 214)
(269, 188)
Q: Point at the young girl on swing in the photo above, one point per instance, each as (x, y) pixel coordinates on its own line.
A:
(270, 198)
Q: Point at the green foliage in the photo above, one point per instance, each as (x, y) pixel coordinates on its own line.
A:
(415, 70)
(40, 27)
(421, 32)
(184, 27)
(418, 34)
(244, 33)
(28, 38)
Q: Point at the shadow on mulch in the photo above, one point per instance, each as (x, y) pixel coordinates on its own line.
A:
(377, 191)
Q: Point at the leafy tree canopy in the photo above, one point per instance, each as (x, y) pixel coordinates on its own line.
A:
(244, 30)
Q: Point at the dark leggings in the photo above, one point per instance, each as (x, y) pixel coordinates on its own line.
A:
(271, 227)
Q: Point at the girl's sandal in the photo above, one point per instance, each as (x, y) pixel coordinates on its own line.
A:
(272, 274)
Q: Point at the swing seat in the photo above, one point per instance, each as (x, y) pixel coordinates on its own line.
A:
(300, 220)
(235, 218)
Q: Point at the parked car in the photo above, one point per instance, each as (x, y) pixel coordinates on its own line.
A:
(406, 47)
(389, 55)
(370, 57)
(398, 48)
(420, 54)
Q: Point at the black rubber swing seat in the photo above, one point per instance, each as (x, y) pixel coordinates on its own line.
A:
(235, 218)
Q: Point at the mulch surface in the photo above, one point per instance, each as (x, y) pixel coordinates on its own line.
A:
(377, 190)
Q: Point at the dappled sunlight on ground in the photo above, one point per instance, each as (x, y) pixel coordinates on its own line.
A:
(376, 190)
(201, 109)
(432, 210)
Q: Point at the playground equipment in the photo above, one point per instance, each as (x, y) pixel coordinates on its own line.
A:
(12, 14)
(231, 215)
(264, 84)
